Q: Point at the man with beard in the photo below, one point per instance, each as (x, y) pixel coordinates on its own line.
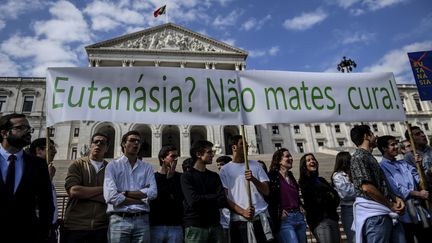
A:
(128, 186)
(26, 204)
(85, 215)
(376, 209)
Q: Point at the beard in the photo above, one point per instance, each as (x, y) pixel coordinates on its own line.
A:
(18, 142)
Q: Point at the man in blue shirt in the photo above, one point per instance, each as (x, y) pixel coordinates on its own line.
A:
(403, 181)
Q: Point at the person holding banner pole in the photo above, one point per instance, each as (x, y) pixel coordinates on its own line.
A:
(419, 145)
(249, 216)
(403, 180)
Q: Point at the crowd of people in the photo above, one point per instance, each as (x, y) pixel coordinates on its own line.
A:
(126, 201)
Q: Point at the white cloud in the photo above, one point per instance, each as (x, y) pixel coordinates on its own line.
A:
(12, 8)
(254, 23)
(113, 14)
(272, 51)
(359, 7)
(37, 55)
(305, 20)
(396, 61)
(230, 42)
(357, 37)
(67, 25)
(229, 20)
(346, 3)
(8, 67)
(379, 4)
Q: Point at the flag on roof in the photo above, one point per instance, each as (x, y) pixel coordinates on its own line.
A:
(159, 11)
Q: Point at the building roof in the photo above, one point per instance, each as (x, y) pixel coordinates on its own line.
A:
(166, 39)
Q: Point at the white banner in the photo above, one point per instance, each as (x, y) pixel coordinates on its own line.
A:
(156, 95)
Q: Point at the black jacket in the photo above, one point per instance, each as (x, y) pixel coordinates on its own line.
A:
(19, 221)
(320, 201)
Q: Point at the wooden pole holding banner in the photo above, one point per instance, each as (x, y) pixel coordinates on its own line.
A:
(246, 161)
(419, 166)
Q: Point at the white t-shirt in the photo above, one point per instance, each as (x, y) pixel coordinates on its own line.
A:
(96, 164)
(233, 179)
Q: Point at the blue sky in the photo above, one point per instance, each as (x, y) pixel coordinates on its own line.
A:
(290, 35)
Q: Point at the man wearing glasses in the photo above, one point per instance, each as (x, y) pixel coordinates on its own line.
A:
(128, 186)
(24, 185)
(85, 216)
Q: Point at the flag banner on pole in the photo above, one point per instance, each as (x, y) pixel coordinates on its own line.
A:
(162, 95)
(421, 64)
(159, 11)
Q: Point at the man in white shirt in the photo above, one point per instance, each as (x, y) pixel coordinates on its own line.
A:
(128, 186)
(243, 215)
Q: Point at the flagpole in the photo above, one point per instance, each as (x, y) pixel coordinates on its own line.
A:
(166, 14)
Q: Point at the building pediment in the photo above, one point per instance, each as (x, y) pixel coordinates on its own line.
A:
(166, 38)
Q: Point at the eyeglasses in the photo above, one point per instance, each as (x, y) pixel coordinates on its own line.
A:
(24, 128)
(99, 142)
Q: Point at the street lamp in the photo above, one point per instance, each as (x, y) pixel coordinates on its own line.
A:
(346, 65)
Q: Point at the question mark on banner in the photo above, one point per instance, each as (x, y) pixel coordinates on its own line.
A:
(191, 91)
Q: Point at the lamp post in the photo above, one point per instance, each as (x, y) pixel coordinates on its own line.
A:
(346, 65)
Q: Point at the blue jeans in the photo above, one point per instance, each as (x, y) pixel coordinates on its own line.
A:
(380, 229)
(347, 221)
(166, 234)
(327, 231)
(129, 229)
(293, 228)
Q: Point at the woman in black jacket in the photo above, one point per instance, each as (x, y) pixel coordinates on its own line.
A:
(285, 207)
(320, 201)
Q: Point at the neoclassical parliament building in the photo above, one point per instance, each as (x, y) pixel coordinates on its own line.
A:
(170, 45)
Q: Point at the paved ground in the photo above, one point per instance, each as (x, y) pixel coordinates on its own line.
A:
(326, 163)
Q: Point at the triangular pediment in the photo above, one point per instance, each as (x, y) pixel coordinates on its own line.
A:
(167, 38)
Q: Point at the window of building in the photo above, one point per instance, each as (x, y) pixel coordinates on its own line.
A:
(277, 146)
(51, 132)
(2, 102)
(74, 153)
(297, 129)
(341, 142)
(300, 148)
(28, 103)
(337, 128)
(275, 129)
(418, 104)
(375, 127)
(392, 127)
(76, 132)
(426, 126)
(320, 143)
(317, 129)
